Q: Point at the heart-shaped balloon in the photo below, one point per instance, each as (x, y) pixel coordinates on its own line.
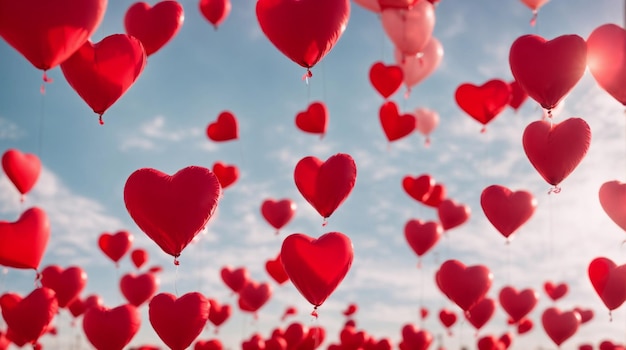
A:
(386, 79)
(351, 338)
(436, 196)
(325, 185)
(448, 318)
(115, 246)
(23, 242)
(215, 11)
(548, 70)
(414, 338)
(139, 257)
(394, 125)
(79, 306)
(47, 33)
(556, 149)
(66, 283)
(178, 321)
(518, 95)
(226, 174)
(525, 325)
(417, 68)
(172, 210)
(224, 128)
(235, 279)
(609, 281)
(427, 121)
(28, 318)
(586, 315)
(275, 269)
(534, 4)
(613, 200)
(606, 48)
(101, 73)
(422, 236)
(295, 334)
(314, 120)
(316, 266)
(484, 102)
(303, 30)
(507, 210)
(418, 188)
(479, 314)
(211, 344)
(278, 213)
(138, 289)
(517, 304)
(154, 25)
(409, 29)
(555, 291)
(490, 342)
(22, 169)
(559, 325)
(465, 286)
(254, 295)
(218, 313)
(452, 214)
(111, 328)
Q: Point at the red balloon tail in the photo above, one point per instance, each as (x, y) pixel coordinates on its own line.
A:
(277, 232)
(427, 142)
(307, 75)
(610, 316)
(46, 80)
(216, 331)
(419, 263)
(449, 333)
(100, 119)
(176, 261)
(533, 20)
(325, 222)
(255, 316)
(38, 277)
(22, 198)
(556, 190)
(407, 93)
(484, 129)
(314, 312)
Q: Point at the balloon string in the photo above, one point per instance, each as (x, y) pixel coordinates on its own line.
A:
(382, 40)
(421, 294)
(176, 277)
(314, 313)
(42, 114)
(533, 20)
(100, 119)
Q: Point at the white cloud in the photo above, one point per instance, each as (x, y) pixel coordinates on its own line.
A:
(154, 134)
(10, 130)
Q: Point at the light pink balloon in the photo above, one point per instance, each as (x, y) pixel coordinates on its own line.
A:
(534, 4)
(409, 30)
(417, 67)
(371, 5)
(427, 121)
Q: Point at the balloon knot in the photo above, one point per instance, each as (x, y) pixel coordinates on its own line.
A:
(407, 93)
(419, 262)
(46, 79)
(100, 119)
(427, 142)
(38, 277)
(610, 316)
(22, 198)
(533, 20)
(325, 222)
(314, 312)
(449, 333)
(307, 75)
(484, 129)
(176, 261)
(277, 232)
(556, 190)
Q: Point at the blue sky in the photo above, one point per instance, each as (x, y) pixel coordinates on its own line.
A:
(160, 123)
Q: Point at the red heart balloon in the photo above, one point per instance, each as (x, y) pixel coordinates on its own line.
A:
(394, 125)
(609, 281)
(554, 291)
(303, 30)
(23, 242)
(465, 286)
(422, 236)
(505, 209)
(490, 342)
(556, 149)
(235, 279)
(212, 344)
(172, 210)
(115, 246)
(351, 338)
(218, 313)
(278, 213)
(350, 310)
(606, 60)
(255, 342)
(316, 266)
(275, 269)
(139, 289)
(419, 188)
(22, 169)
(518, 95)
(415, 339)
(548, 70)
(47, 33)
(294, 335)
(178, 321)
(479, 314)
(325, 185)
(254, 295)
(525, 325)
(226, 174)
(154, 26)
(139, 257)
(66, 283)
(28, 318)
(452, 214)
(111, 329)
(560, 326)
(101, 73)
(447, 318)
(224, 128)
(436, 196)
(613, 199)
(484, 102)
(517, 304)
(215, 11)
(386, 79)
(314, 120)
(586, 315)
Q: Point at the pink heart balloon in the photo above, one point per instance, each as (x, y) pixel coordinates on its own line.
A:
(409, 30)
(427, 121)
(417, 68)
(606, 58)
(613, 200)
